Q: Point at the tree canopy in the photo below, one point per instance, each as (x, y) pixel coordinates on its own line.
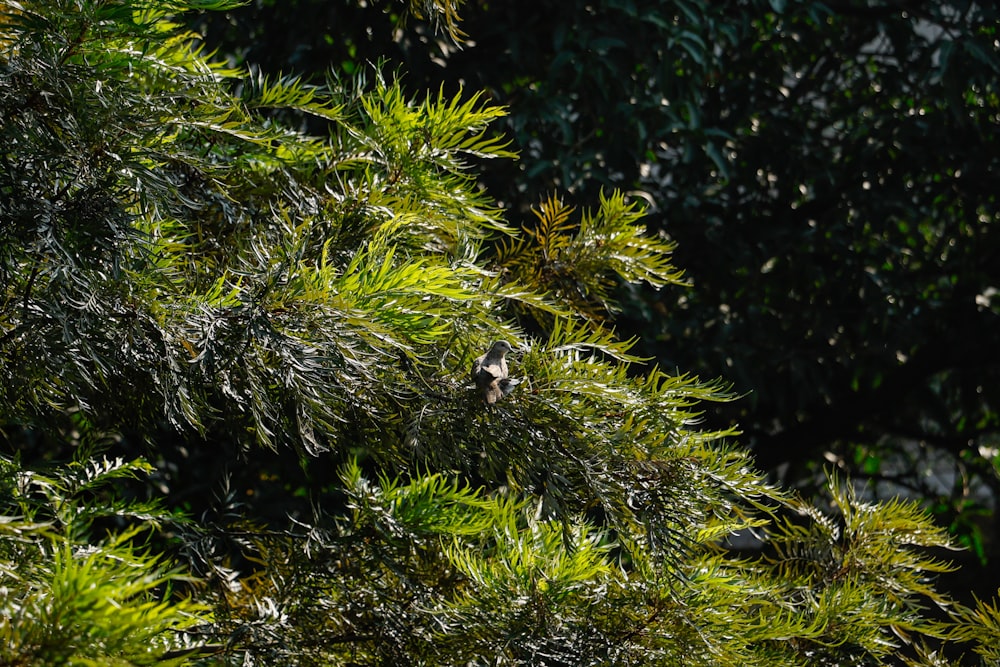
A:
(238, 315)
(824, 166)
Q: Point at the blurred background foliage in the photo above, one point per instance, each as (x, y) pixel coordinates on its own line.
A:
(825, 168)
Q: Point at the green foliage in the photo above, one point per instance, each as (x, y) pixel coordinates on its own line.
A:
(982, 626)
(284, 321)
(869, 561)
(579, 262)
(819, 163)
(71, 594)
(440, 573)
(165, 226)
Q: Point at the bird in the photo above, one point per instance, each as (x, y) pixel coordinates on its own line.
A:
(490, 374)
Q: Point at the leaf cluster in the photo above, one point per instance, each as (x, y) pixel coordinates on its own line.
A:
(73, 591)
(582, 263)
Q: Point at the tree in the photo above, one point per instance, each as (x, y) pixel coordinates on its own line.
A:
(191, 278)
(819, 161)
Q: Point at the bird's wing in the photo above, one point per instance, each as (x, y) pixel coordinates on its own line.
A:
(496, 362)
(484, 374)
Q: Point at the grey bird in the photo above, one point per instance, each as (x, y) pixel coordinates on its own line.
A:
(489, 372)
